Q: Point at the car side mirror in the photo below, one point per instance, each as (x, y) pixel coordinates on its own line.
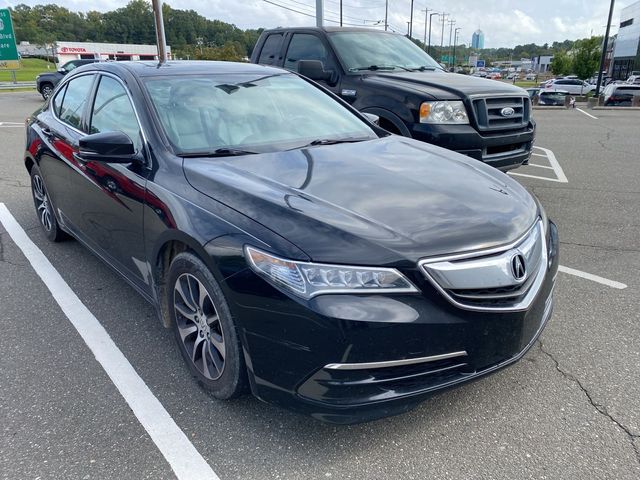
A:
(62, 71)
(372, 117)
(314, 69)
(108, 147)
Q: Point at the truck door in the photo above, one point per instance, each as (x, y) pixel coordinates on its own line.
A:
(308, 46)
(271, 50)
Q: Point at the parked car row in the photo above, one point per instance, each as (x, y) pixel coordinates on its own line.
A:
(297, 249)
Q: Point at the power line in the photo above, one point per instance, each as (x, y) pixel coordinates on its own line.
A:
(332, 12)
(313, 15)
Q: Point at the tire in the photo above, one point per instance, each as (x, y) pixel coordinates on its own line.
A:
(204, 328)
(44, 208)
(46, 90)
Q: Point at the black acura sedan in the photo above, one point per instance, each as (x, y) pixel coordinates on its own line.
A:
(296, 249)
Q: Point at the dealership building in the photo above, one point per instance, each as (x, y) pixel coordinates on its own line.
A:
(66, 51)
(626, 52)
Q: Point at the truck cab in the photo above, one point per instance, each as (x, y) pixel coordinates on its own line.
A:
(387, 75)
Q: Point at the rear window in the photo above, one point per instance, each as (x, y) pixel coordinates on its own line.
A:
(270, 49)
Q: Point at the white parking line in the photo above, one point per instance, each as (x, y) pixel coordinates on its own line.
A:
(539, 166)
(586, 113)
(555, 166)
(593, 278)
(184, 459)
(12, 124)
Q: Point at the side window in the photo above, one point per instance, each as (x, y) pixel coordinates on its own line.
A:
(270, 49)
(57, 100)
(113, 112)
(75, 98)
(304, 46)
(69, 66)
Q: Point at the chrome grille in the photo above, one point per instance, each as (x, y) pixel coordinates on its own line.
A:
(485, 280)
(488, 114)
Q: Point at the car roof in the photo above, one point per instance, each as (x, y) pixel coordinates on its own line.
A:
(180, 67)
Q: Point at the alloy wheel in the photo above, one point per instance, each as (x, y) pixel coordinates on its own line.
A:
(43, 206)
(199, 326)
(47, 91)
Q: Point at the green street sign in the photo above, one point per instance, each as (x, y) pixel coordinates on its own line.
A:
(8, 50)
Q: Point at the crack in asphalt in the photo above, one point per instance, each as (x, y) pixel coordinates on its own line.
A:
(601, 409)
(14, 183)
(614, 249)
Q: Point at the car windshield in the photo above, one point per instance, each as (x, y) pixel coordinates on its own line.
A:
(245, 113)
(379, 51)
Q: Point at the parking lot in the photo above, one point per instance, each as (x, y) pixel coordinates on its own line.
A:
(568, 410)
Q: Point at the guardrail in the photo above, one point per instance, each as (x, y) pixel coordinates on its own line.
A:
(11, 85)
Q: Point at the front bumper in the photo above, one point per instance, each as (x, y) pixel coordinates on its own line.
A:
(503, 150)
(320, 357)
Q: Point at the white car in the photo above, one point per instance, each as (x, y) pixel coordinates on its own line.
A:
(634, 80)
(572, 85)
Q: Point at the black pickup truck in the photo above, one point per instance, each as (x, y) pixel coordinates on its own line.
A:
(387, 75)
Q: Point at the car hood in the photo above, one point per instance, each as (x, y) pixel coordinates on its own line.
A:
(382, 202)
(451, 84)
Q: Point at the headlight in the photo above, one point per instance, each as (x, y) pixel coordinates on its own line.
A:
(443, 112)
(310, 279)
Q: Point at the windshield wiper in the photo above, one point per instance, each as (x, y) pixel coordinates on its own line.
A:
(423, 68)
(332, 141)
(379, 67)
(220, 152)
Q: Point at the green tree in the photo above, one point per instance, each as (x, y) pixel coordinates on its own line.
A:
(561, 64)
(587, 56)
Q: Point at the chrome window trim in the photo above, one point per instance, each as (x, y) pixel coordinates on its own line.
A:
(523, 304)
(98, 73)
(394, 363)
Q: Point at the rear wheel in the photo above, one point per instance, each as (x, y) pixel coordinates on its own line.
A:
(204, 329)
(44, 209)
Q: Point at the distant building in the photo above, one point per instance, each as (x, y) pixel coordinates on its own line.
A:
(626, 52)
(477, 40)
(541, 63)
(66, 51)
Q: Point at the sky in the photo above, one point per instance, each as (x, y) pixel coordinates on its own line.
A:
(504, 23)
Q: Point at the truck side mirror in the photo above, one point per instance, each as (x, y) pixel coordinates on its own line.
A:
(314, 69)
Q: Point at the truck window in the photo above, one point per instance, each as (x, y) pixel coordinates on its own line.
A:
(270, 49)
(304, 46)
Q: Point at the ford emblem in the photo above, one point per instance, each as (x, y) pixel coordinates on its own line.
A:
(507, 111)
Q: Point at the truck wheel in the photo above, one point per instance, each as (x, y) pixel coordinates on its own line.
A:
(46, 90)
(389, 127)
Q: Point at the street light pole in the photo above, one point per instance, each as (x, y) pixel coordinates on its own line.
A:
(429, 47)
(411, 20)
(160, 36)
(340, 12)
(386, 15)
(444, 17)
(451, 23)
(455, 41)
(319, 13)
(604, 50)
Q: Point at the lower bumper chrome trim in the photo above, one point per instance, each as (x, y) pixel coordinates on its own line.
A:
(394, 363)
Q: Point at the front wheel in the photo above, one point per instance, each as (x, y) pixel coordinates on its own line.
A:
(204, 329)
(46, 90)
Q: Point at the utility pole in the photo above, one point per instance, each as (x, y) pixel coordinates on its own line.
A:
(411, 20)
(160, 37)
(386, 15)
(604, 50)
(424, 42)
(340, 12)
(319, 13)
(429, 47)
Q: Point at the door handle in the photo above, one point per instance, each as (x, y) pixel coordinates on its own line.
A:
(47, 132)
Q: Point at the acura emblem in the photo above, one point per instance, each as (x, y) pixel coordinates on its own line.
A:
(518, 268)
(507, 111)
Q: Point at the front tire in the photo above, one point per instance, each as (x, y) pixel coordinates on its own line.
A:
(44, 209)
(46, 90)
(204, 328)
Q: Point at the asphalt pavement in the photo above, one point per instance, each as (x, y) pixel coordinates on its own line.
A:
(568, 410)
